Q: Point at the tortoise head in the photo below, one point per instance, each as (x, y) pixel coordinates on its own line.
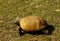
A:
(17, 21)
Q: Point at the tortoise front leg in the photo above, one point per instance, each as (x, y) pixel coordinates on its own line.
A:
(21, 32)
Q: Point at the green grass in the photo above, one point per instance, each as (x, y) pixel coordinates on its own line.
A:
(10, 9)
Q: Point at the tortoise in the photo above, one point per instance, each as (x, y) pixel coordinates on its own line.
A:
(31, 24)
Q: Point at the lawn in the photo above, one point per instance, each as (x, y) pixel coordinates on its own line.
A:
(10, 9)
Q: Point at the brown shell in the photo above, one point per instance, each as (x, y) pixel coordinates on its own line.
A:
(32, 23)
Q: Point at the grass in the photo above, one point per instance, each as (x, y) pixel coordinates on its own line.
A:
(10, 9)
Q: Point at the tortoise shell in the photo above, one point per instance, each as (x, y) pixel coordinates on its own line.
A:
(32, 23)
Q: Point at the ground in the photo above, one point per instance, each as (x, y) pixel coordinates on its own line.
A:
(10, 9)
